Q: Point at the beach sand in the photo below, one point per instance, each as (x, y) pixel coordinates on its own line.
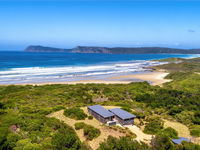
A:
(154, 78)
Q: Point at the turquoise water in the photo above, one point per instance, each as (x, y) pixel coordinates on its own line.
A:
(25, 67)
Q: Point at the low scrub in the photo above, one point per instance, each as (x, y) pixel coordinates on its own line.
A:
(195, 130)
(169, 132)
(75, 113)
(89, 131)
(154, 125)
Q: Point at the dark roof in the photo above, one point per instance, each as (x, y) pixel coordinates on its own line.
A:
(101, 111)
(122, 113)
(180, 140)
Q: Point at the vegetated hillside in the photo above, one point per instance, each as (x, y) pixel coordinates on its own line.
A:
(115, 50)
(23, 110)
(44, 49)
(183, 65)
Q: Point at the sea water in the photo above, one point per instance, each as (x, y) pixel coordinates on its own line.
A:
(27, 67)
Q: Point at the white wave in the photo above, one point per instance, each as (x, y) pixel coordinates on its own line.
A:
(52, 73)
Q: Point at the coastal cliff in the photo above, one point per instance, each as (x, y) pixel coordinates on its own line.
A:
(115, 50)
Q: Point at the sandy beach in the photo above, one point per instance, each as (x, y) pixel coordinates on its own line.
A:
(154, 78)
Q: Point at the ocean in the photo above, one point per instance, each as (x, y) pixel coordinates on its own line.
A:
(26, 67)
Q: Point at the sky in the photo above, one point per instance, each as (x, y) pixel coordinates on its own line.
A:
(111, 23)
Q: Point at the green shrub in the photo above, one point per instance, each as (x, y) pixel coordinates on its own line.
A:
(79, 125)
(189, 146)
(169, 132)
(91, 132)
(122, 143)
(127, 109)
(90, 117)
(75, 113)
(196, 119)
(66, 138)
(154, 125)
(195, 130)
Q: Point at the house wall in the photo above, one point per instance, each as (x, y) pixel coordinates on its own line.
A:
(125, 122)
(98, 117)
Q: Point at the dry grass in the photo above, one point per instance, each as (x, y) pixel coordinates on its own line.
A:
(105, 131)
(182, 130)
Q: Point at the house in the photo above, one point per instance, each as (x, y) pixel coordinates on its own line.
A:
(100, 113)
(180, 140)
(122, 116)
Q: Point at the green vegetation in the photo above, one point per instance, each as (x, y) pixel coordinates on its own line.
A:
(75, 113)
(187, 65)
(79, 125)
(171, 60)
(169, 132)
(124, 143)
(23, 110)
(195, 130)
(89, 131)
(90, 117)
(158, 143)
(154, 125)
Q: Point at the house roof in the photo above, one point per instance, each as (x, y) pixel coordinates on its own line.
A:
(122, 113)
(101, 111)
(180, 140)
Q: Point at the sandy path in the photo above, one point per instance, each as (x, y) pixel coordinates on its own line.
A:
(141, 136)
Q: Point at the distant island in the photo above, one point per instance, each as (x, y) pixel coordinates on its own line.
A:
(115, 50)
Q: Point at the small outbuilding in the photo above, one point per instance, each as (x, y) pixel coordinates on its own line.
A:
(122, 116)
(180, 140)
(100, 113)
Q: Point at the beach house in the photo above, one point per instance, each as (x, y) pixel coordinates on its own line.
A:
(122, 116)
(111, 116)
(100, 113)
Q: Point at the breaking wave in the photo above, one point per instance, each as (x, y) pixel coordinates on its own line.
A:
(68, 73)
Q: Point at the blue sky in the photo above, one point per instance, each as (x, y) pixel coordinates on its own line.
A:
(113, 23)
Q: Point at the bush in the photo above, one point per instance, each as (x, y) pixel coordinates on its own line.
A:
(196, 119)
(66, 138)
(79, 125)
(75, 113)
(162, 142)
(123, 143)
(91, 132)
(189, 146)
(195, 130)
(127, 109)
(155, 124)
(90, 117)
(169, 132)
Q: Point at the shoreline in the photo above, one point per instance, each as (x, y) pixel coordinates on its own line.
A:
(154, 78)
